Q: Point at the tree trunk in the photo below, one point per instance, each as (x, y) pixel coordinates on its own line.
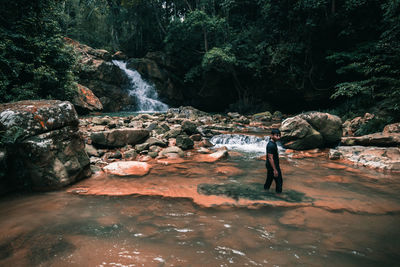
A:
(205, 39)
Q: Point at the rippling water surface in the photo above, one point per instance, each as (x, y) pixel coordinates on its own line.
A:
(210, 214)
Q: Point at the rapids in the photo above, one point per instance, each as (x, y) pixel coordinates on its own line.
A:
(191, 213)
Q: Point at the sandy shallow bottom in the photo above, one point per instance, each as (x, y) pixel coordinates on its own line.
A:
(217, 214)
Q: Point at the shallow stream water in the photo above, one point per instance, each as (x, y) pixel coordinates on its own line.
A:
(210, 214)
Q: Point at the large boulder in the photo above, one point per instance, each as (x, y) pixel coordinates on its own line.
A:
(119, 137)
(328, 125)
(311, 130)
(43, 146)
(216, 156)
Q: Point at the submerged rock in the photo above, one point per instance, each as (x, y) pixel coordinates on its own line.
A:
(216, 156)
(128, 168)
(250, 191)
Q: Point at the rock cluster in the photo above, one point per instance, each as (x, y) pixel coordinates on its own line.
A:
(378, 150)
(165, 137)
(387, 158)
(40, 145)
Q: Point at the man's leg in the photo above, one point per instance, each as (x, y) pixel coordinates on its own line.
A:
(279, 182)
(270, 178)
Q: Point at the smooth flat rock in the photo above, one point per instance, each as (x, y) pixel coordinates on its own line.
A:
(373, 157)
(216, 156)
(128, 168)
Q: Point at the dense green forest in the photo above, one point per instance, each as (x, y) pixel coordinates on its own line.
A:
(292, 55)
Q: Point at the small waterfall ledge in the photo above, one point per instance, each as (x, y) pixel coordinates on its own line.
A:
(145, 94)
(245, 143)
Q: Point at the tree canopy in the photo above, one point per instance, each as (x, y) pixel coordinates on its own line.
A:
(290, 55)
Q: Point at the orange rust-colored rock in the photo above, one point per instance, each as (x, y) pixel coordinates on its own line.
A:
(85, 100)
(216, 156)
(228, 170)
(170, 160)
(334, 166)
(128, 168)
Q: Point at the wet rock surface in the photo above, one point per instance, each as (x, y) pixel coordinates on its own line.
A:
(127, 168)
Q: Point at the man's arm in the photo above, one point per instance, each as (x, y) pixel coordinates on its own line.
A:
(271, 161)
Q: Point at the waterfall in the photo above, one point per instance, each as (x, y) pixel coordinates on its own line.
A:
(245, 143)
(145, 94)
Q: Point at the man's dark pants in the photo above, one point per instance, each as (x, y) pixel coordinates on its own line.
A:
(278, 180)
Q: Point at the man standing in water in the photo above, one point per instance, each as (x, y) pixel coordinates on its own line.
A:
(272, 164)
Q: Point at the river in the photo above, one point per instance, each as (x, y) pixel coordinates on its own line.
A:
(195, 213)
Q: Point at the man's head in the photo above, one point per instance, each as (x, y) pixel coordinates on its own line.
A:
(275, 135)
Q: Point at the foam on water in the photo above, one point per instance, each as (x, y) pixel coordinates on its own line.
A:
(244, 143)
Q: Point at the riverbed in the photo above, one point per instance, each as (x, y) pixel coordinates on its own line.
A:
(192, 213)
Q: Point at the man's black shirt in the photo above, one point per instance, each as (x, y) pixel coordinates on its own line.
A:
(272, 148)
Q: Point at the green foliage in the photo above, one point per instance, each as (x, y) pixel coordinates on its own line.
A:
(219, 59)
(11, 136)
(34, 60)
(290, 55)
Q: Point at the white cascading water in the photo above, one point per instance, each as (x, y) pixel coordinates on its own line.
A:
(145, 94)
(245, 143)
